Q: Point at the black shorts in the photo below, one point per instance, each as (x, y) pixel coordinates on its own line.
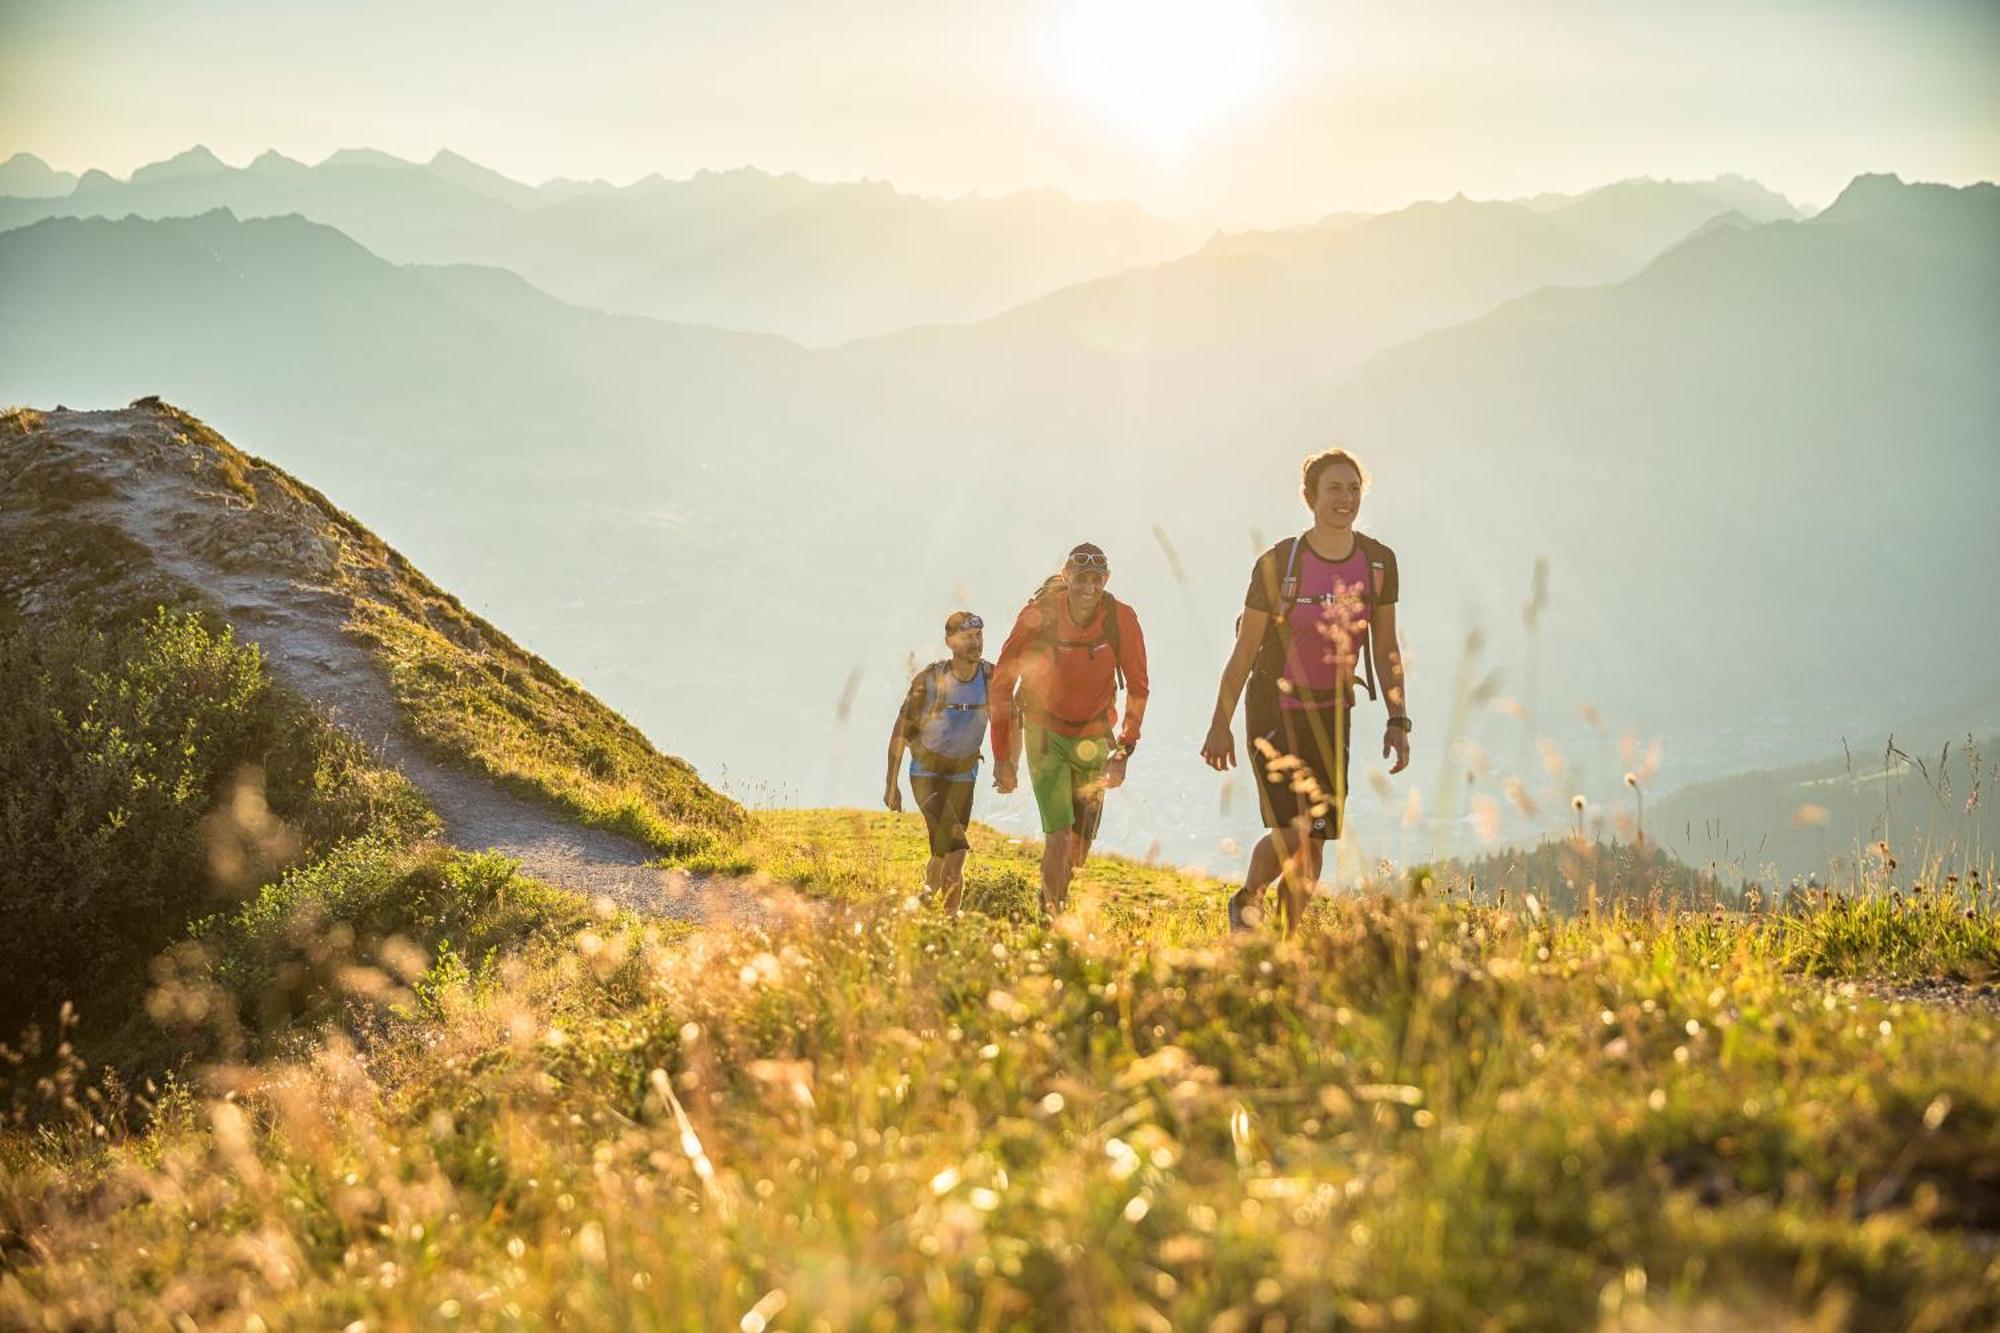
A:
(1318, 738)
(947, 809)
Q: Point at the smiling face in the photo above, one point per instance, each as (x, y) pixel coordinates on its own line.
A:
(1086, 589)
(1336, 498)
(967, 645)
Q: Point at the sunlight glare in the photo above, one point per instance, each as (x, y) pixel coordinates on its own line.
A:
(1163, 70)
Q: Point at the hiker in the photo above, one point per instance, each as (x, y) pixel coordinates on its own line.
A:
(1072, 648)
(1318, 606)
(942, 723)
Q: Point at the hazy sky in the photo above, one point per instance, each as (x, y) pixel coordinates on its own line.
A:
(1228, 109)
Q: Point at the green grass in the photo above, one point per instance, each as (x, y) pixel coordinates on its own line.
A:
(474, 697)
(1936, 933)
(861, 855)
(364, 922)
(1435, 1114)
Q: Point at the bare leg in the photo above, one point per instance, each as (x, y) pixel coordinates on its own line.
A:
(1058, 864)
(1264, 868)
(954, 880)
(934, 874)
(1301, 859)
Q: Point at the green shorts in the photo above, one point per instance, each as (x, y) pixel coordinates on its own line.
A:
(1067, 773)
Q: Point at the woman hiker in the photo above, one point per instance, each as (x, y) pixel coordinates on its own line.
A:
(1318, 607)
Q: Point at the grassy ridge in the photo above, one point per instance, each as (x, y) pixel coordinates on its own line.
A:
(520, 722)
(466, 689)
(1433, 1114)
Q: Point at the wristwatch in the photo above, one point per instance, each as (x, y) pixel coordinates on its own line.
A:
(1400, 721)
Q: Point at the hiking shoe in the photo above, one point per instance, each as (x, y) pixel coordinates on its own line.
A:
(1246, 917)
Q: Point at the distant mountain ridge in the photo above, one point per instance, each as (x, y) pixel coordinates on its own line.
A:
(1310, 302)
(26, 176)
(1641, 217)
(741, 249)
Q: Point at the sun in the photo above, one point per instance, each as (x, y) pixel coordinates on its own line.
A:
(1164, 71)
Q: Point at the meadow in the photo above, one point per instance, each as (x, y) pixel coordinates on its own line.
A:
(1427, 1111)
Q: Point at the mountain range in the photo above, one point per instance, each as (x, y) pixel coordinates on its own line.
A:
(741, 249)
(1754, 465)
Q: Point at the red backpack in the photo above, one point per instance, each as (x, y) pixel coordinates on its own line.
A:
(1045, 602)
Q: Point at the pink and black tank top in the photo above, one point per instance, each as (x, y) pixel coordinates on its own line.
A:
(1329, 614)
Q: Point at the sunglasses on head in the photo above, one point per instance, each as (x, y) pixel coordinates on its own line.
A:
(1089, 561)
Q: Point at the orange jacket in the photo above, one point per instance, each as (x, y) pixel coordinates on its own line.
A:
(1071, 689)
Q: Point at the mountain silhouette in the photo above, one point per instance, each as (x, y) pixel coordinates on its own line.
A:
(26, 176)
(739, 249)
(1640, 218)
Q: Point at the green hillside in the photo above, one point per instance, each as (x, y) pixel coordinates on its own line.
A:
(181, 625)
(472, 694)
(329, 1072)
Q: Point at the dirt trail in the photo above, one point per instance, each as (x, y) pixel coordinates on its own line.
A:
(272, 575)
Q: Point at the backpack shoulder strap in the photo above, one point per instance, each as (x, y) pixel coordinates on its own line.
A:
(1043, 603)
(1378, 557)
(1112, 637)
(930, 697)
(934, 687)
(1285, 556)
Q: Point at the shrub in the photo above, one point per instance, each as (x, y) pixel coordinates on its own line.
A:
(363, 922)
(142, 773)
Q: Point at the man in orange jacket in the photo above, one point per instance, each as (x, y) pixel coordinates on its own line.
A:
(1060, 669)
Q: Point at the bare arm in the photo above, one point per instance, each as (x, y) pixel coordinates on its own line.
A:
(1389, 671)
(892, 792)
(899, 738)
(1219, 750)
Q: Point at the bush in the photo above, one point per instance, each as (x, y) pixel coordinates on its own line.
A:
(142, 773)
(362, 923)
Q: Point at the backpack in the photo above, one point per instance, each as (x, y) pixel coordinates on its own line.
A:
(1051, 639)
(947, 765)
(1044, 601)
(1261, 695)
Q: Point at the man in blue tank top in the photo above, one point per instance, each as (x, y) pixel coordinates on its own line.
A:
(942, 723)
